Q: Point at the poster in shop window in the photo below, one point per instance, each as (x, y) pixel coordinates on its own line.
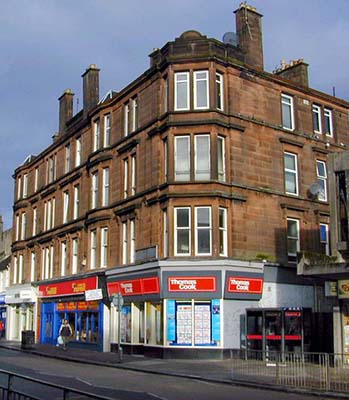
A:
(202, 330)
(184, 320)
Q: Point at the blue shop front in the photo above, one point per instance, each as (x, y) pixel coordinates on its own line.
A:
(68, 300)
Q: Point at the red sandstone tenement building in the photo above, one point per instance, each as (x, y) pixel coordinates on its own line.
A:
(190, 191)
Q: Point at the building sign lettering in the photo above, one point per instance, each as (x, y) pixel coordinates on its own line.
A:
(192, 284)
(245, 285)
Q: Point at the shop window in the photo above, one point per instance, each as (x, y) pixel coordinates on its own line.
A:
(126, 324)
(342, 206)
(138, 322)
(154, 324)
(193, 323)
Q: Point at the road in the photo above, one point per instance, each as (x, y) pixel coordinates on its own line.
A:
(123, 384)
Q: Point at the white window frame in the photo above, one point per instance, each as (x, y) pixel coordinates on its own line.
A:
(186, 82)
(287, 101)
(328, 115)
(132, 241)
(65, 207)
(23, 225)
(291, 171)
(76, 209)
(20, 269)
(196, 81)
(165, 160)
(51, 262)
(219, 91)
(327, 241)
(206, 157)
(75, 256)
(32, 266)
(316, 111)
(15, 269)
(221, 171)
(126, 118)
(17, 227)
(93, 249)
(107, 130)
(105, 193)
(77, 151)
(323, 179)
(25, 186)
(47, 262)
(124, 243)
(199, 228)
(176, 229)
(94, 190)
(63, 258)
(224, 230)
(51, 169)
(96, 134)
(36, 179)
(126, 162)
(297, 238)
(133, 175)
(19, 187)
(104, 248)
(67, 158)
(35, 221)
(53, 212)
(182, 175)
(45, 216)
(165, 233)
(134, 114)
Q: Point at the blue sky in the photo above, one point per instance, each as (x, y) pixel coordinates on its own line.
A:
(45, 46)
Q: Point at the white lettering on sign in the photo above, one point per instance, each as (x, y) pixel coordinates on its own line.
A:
(127, 287)
(241, 285)
(184, 284)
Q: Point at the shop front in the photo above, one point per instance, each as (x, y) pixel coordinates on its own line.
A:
(343, 296)
(3, 314)
(21, 311)
(175, 318)
(80, 301)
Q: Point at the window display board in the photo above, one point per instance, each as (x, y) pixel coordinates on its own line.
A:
(193, 323)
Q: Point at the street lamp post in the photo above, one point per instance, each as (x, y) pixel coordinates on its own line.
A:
(118, 302)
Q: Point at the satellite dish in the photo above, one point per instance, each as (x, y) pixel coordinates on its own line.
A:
(314, 190)
(230, 38)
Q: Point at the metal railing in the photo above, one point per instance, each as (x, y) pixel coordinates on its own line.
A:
(15, 386)
(318, 371)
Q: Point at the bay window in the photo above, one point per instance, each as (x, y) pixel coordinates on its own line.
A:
(182, 99)
(182, 158)
(201, 90)
(182, 243)
(203, 231)
(223, 237)
(202, 157)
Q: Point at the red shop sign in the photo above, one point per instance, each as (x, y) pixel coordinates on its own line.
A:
(191, 283)
(68, 288)
(134, 287)
(237, 284)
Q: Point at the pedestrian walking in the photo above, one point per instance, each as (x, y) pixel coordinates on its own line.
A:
(65, 332)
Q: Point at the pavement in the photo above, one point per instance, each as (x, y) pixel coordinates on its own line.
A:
(218, 371)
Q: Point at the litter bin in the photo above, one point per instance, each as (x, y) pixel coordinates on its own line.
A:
(28, 340)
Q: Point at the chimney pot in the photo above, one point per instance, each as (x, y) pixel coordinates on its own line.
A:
(90, 88)
(65, 109)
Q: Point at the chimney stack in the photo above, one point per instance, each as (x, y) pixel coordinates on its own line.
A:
(249, 31)
(296, 71)
(65, 109)
(90, 88)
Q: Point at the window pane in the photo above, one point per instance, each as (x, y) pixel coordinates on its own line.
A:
(290, 161)
(182, 218)
(291, 183)
(183, 241)
(221, 159)
(292, 230)
(292, 246)
(203, 217)
(202, 150)
(182, 159)
(182, 100)
(204, 245)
